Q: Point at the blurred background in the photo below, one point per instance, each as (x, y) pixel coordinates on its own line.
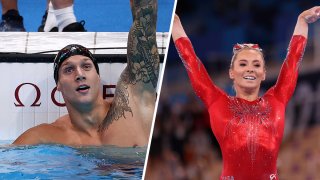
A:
(183, 145)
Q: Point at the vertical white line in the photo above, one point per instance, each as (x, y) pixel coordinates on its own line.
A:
(26, 46)
(48, 92)
(94, 43)
(159, 84)
(34, 107)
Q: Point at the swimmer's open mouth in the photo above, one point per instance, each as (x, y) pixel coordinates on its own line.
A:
(83, 87)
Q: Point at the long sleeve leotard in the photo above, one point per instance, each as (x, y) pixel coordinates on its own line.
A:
(249, 132)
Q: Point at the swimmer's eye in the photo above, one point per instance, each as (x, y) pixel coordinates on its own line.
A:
(68, 70)
(87, 67)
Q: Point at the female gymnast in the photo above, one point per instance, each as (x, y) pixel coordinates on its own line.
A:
(249, 128)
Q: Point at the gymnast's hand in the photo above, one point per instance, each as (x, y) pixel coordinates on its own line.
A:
(304, 19)
(311, 15)
(177, 29)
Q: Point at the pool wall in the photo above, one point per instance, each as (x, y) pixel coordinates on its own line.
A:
(28, 95)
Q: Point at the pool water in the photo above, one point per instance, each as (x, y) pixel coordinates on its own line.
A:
(64, 162)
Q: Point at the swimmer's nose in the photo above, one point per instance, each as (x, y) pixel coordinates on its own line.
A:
(80, 75)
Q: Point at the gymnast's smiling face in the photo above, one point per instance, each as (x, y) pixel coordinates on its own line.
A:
(247, 70)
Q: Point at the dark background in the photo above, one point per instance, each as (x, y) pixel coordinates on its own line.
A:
(183, 145)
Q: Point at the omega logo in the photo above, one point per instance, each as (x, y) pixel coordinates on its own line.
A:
(16, 95)
(36, 102)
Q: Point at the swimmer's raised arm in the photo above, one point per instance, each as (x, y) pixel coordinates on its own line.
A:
(135, 95)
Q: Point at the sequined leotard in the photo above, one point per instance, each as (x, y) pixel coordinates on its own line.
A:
(249, 133)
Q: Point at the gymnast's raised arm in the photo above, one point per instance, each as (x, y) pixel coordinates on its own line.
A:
(287, 79)
(199, 77)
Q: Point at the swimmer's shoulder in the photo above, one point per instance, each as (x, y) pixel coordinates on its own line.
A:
(43, 133)
(62, 123)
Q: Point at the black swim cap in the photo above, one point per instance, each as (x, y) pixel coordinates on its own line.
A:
(68, 51)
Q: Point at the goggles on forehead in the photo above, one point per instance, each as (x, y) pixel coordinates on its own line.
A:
(68, 51)
(238, 47)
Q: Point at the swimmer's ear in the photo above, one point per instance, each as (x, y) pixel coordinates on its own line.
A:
(58, 87)
(231, 75)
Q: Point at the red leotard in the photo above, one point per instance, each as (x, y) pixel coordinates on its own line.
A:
(249, 133)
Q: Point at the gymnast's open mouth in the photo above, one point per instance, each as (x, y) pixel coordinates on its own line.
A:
(249, 77)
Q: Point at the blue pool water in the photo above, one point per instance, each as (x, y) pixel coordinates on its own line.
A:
(64, 162)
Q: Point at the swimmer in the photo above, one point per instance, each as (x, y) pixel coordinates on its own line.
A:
(91, 120)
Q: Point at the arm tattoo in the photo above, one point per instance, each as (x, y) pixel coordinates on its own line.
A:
(143, 59)
(120, 103)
